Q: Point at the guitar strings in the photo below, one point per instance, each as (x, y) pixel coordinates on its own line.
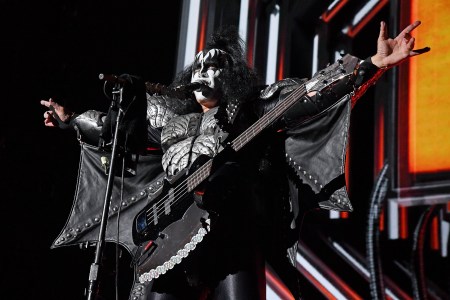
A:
(181, 190)
(292, 99)
(236, 144)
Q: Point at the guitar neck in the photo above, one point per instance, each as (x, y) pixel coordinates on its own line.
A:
(267, 119)
(205, 170)
(199, 175)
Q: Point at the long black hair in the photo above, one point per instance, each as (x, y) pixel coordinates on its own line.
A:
(238, 80)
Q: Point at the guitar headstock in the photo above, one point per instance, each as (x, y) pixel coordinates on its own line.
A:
(341, 70)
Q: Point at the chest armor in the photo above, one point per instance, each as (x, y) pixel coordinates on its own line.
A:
(187, 137)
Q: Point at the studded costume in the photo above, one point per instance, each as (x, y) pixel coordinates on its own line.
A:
(308, 143)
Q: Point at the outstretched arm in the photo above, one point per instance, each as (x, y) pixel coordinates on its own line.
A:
(391, 52)
(56, 115)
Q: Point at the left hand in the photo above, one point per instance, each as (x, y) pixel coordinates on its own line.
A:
(391, 52)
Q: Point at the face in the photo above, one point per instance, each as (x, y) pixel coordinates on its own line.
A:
(206, 70)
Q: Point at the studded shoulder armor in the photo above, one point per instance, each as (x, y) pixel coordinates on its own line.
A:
(162, 108)
(89, 126)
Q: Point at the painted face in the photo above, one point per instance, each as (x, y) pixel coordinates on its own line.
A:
(207, 68)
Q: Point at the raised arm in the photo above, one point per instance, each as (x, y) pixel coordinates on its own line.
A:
(391, 52)
(364, 73)
(56, 115)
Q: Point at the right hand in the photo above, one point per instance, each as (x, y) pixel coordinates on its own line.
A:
(392, 52)
(56, 113)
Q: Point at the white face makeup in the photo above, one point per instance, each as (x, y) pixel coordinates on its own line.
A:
(207, 69)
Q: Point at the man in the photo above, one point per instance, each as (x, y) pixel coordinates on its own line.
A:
(252, 193)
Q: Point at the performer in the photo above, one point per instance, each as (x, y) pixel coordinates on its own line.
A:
(252, 197)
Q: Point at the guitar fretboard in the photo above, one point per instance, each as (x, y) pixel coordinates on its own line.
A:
(267, 119)
(205, 170)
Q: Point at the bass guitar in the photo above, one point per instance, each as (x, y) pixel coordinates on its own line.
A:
(171, 224)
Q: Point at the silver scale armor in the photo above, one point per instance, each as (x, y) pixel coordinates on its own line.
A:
(187, 137)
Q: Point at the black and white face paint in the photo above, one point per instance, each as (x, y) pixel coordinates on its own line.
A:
(206, 70)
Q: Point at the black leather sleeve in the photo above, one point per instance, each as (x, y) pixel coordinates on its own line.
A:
(89, 126)
(362, 73)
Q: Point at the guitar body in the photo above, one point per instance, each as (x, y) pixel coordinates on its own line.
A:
(169, 226)
(173, 244)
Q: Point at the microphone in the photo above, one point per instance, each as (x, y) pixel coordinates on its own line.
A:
(112, 78)
(190, 87)
(181, 91)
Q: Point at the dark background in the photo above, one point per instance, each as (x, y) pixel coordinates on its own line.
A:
(57, 49)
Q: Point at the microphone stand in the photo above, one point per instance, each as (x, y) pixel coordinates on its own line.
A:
(95, 266)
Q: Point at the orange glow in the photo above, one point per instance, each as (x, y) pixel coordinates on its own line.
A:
(328, 15)
(251, 32)
(344, 214)
(281, 46)
(353, 31)
(279, 287)
(202, 29)
(379, 157)
(280, 74)
(382, 219)
(434, 234)
(429, 95)
(403, 222)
